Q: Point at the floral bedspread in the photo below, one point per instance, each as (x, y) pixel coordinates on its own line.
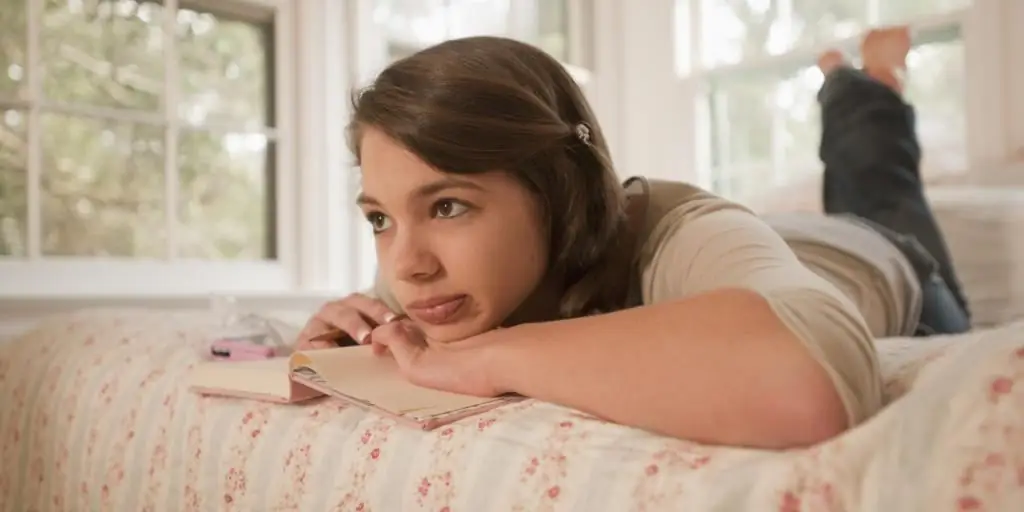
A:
(95, 416)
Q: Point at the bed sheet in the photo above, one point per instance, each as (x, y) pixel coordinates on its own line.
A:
(96, 416)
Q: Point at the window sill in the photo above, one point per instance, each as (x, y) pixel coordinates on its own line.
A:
(19, 314)
(84, 277)
(33, 305)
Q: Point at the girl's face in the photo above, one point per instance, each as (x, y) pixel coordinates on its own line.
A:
(459, 252)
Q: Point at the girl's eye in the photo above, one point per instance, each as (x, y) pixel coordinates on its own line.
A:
(378, 221)
(449, 208)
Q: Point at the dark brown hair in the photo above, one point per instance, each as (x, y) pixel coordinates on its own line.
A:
(489, 103)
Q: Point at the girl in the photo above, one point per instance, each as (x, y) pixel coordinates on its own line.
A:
(511, 259)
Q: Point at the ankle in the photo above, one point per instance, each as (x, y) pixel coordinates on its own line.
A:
(891, 77)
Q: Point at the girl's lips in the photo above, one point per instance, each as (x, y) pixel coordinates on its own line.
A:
(438, 311)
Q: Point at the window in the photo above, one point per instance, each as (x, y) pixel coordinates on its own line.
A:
(754, 61)
(411, 25)
(136, 132)
(403, 27)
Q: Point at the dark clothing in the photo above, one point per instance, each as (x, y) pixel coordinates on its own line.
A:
(872, 171)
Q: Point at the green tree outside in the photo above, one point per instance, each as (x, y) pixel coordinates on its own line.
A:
(102, 176)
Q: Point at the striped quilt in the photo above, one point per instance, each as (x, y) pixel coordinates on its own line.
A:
(95, 416)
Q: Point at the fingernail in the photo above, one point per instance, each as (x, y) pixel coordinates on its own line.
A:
(362, 336)
(390, 317)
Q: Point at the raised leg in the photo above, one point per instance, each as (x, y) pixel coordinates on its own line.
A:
(872, 160)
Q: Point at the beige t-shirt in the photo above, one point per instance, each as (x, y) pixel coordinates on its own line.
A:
(862, 263)
(708, 243)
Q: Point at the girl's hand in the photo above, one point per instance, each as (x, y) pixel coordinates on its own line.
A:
(456, 367)
(356, 315)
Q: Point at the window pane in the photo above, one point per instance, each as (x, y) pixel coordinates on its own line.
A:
(551, 32)
(102, 188)
(740, 183)
(411, 25)
(226, 201)
(936, 88)
(735, 183)
(741, 114)
(226, 69)
(103, 53)
(12, 47)
(800, 128)
(764, 118)
(906, 10)
(765, 128)
(733, 30)
(13, 193)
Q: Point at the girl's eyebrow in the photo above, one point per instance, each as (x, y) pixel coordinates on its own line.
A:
(429, 189)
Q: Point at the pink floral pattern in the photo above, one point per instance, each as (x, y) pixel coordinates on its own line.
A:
(95, 416)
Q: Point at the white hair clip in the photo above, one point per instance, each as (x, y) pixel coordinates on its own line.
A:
(583, 133)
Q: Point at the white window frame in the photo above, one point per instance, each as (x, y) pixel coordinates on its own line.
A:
(664, 128)
(983, 80)
(37, 276)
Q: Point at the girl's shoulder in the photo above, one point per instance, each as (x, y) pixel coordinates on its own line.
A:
(657, 207)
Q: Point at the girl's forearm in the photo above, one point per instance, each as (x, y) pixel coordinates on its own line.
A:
(718, 368)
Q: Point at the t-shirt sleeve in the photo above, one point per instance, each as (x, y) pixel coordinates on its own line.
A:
(733, 248)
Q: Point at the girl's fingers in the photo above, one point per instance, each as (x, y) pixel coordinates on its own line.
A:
(371, 308)
(346, 319)
(354, 316)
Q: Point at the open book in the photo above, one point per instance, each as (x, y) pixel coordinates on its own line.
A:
(352, 374)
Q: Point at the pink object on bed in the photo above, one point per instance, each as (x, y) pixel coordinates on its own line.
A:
(240, 350)
(95, 416)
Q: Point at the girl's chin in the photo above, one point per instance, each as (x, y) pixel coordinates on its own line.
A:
(454, 332)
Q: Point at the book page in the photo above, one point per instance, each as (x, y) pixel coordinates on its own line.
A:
(359, 374)
(266, 379)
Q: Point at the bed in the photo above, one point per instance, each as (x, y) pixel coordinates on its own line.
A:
(95, 416)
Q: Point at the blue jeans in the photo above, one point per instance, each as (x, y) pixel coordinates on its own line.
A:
(872, 159)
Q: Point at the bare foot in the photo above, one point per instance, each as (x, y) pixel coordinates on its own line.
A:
(885, 55)
(831, 60)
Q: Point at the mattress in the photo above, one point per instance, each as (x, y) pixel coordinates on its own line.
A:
(96, 416)
(984, 228)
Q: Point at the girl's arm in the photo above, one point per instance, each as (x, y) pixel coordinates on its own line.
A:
(741, 345)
